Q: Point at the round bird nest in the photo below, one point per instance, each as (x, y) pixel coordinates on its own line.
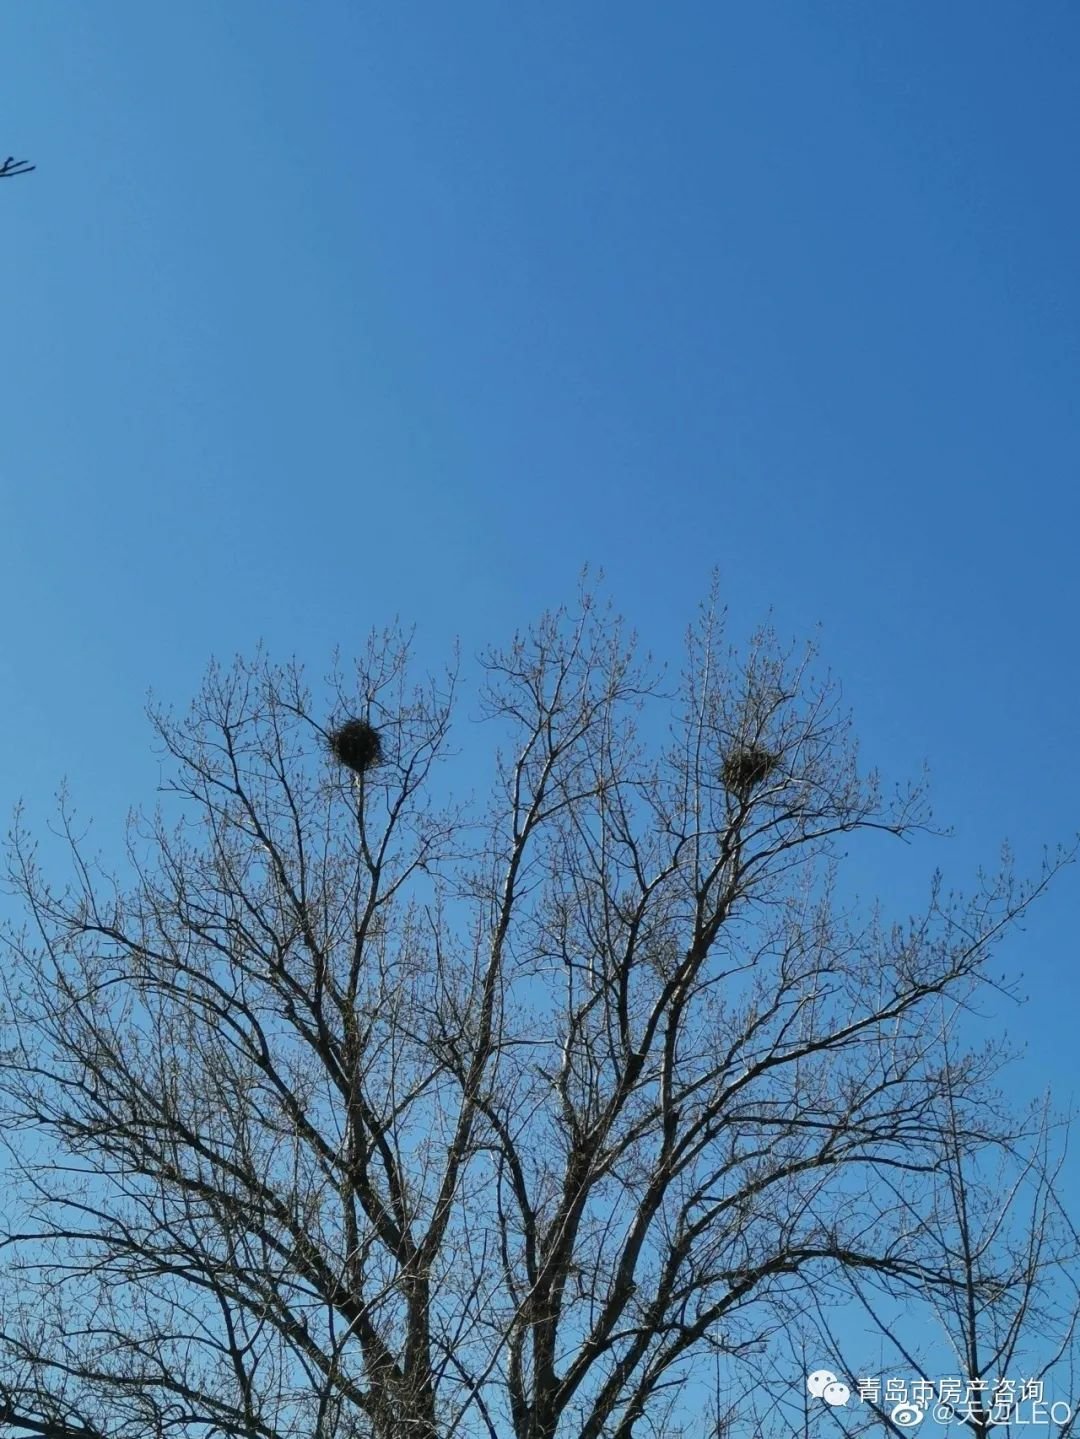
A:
(744, 768)
(356, 745)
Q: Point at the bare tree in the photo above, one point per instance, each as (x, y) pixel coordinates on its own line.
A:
(350, 1108)
(11, 167)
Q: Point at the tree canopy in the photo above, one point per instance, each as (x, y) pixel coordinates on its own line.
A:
(345, 1104)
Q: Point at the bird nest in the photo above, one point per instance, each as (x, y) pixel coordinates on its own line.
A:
(745, 768)
(356, 745)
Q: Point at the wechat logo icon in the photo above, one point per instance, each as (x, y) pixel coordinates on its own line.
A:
(823, 1384)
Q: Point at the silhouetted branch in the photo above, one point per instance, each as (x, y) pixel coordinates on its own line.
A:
(11, 166)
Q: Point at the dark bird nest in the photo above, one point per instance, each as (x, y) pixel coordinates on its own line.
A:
(744, 768)
(356, 745)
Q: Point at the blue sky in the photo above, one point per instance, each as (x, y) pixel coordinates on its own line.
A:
(314, 315)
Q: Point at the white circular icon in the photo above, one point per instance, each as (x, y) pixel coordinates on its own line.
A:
(819, 1381)
(836, 1393)
(906, 1415)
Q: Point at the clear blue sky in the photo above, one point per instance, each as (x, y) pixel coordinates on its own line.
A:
(315, 314)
